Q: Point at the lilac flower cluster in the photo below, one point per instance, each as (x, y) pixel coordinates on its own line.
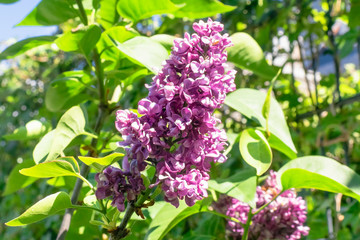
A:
(284, 218)
(176, 130)
(114, 182)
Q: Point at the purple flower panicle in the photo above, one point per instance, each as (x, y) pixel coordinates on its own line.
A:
(177, 131)
(284, 218)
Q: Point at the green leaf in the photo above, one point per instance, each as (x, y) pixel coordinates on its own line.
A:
(32, 130)
(136, 10)
(249, 102)
(100, 163)
(49, 12)
(70, 125)
(354, 16)
(166, 40)
(107, 13)
(18, 181)
(44, 208)
(255, 150)
(241, 186)
(232, 139)
(246, 53)
(41, 149)
(145, 52)
(201, 8)
(169, 216)
(321, 173)
(56, 168)
(83, 40)
(25, 45)
(8, 1)
(266, 107)
(67, 90)
(118, 34)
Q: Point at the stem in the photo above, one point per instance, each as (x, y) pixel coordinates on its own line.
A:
(102, 114)
(121, 231)
(343, 102)
(83, 15)
(305, 71)
(267, 204)
(330, 33)
(88, 207)
(247, 225)
(228, 217)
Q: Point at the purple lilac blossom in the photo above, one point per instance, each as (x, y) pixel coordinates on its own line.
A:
(177, 131)
(114, 182)
(284, 218)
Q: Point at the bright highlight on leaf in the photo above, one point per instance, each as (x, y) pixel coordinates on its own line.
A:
(249, 102)
(32, 130)
(54, 168)
(255, 150)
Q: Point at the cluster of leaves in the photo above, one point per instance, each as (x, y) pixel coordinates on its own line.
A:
(103, 55)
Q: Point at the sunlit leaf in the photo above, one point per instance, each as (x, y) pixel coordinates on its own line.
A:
(249, 102)
(201, 8)
(255, 150)
(241, 186)
(56, 168)
(32, 130)
(144, 51)
(107, 13)
(118, 34)
(100, 163)
(320, 173)
(166, 40)
(70, 125)
(42, 149)
(83, 40)
(25, 45)
(136, 10)
(50, 12)
(169, 216)
(67, 90)
(44, 208)
(246, 53)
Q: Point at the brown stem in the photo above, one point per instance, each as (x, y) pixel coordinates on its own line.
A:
(102, 114)
(122, 231)
(306, 72)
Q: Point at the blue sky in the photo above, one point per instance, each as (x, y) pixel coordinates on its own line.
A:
(11, 14)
